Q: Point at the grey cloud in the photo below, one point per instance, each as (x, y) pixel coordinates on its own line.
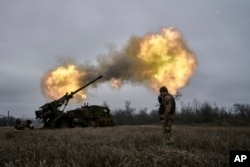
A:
(34, 33)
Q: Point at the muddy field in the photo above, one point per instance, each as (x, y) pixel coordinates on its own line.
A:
(121, 146)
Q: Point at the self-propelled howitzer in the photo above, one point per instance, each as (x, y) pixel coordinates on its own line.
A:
(52, 117)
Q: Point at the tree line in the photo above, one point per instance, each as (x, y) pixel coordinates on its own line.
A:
(194, 113)
(7, 121)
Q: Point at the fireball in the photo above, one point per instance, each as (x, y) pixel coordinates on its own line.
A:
(154, 60)
(61, 80)
(171, 62)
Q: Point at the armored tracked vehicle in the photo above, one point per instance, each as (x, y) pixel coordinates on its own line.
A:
(91, 116)
(52, 117)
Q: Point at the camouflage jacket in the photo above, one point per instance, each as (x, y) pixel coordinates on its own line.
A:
(167, 105)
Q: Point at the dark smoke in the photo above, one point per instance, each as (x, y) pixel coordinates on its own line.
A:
(118, 64)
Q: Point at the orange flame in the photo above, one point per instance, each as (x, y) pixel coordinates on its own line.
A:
(172, 64)
(116, 83)
(61, 80)
(154, 60)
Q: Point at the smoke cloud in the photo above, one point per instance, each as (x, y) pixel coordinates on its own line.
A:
(156, 59)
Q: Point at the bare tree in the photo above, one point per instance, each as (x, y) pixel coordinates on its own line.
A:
(243, 110)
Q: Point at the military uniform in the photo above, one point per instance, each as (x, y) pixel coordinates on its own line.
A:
(21, 125)
(166, 113)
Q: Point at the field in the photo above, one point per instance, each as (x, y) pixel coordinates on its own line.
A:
(121, 146)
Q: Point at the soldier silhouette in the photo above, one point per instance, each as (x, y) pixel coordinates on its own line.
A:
(21, 125)
(166, 113)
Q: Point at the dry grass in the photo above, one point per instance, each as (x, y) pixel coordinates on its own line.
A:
(121, 146)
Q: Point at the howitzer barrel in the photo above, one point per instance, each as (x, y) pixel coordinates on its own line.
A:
(52, 106)
(72, 93)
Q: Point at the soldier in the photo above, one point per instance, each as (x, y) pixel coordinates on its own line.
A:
(21, 125)
(166, 113)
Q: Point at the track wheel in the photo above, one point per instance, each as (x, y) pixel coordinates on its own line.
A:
(62, 123)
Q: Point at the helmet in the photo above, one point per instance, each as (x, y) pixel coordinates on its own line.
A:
(163, 89)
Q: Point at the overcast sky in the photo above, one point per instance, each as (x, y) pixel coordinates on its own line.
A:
(34, 34)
